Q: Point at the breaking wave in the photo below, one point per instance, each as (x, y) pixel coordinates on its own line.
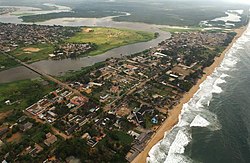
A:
(195, 113)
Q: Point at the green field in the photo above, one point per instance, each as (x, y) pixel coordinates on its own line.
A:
(33, 53)
(109, 38)
(6, 62)
(22, 93)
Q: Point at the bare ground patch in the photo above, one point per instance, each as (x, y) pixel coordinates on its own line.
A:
(3, 115)
(31, 49)
(181, 70)
(123, 111)
(15, 137)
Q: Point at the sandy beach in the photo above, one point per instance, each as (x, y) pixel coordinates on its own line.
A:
(175, 112)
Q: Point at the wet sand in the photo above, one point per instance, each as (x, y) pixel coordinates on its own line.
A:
(173, 118)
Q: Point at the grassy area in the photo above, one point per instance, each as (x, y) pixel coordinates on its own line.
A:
(121, 136)
(33, 53)
(109, 38)
(21, 14)
(6, 62)
(23, 93)
(148, 122)
(180, 30)
(80, 74)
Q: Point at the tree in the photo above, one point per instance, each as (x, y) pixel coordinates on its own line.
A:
(73, 147)
(9, 135)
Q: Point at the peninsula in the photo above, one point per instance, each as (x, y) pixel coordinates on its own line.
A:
(176, 111)
(115, 110)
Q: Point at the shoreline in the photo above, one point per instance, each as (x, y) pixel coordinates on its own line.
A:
(173, 117)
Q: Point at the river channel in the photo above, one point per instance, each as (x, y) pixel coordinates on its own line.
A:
(59, 67)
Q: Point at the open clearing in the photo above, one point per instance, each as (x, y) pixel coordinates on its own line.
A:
(3, 115)
(33, 53)
(123, 111)
(180, 70)
(109, 38)
(22, 94)
(6, 63)
(15, 137)
(31, 49)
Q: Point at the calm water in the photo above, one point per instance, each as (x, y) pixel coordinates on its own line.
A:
(17, 73)
(214, 126)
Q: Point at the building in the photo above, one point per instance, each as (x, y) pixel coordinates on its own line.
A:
(86, 136)
(26, 126)
(50, 139)
(7, 102)
(3, 131)
(88, 30)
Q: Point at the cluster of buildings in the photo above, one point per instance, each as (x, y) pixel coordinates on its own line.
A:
(71, 50)
(14, 35)
(194, 40)
(6, 10)
(52, 106)
(25, 127)
(143, 87)
(131, 94)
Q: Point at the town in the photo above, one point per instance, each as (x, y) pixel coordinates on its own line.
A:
(6, 10)
(123, 103)
(31, 43)
(14, 35)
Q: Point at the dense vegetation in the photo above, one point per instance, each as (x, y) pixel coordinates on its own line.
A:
(82, 74)
(188, 13)
(113, 148)
(26, 139)
(6, 63)
(23, 93)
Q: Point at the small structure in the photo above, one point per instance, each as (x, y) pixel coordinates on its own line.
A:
(52, 55)
(7, 102)
(33, 151)
(1, 143)
(21, 119)
(3, 131)
(77, 100)
(114, 89)
(86, 136)
(133, 133)
(26, 126)
(154, 120)
(50, 139)
(104, 97)
(88, 30)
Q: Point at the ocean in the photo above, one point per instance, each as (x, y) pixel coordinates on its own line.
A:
(214, 126)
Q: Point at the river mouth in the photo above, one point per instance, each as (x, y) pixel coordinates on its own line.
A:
(60, 67)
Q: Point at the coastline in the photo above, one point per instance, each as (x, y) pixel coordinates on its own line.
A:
(173, 118)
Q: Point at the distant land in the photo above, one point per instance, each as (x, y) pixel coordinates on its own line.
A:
(184, 13)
